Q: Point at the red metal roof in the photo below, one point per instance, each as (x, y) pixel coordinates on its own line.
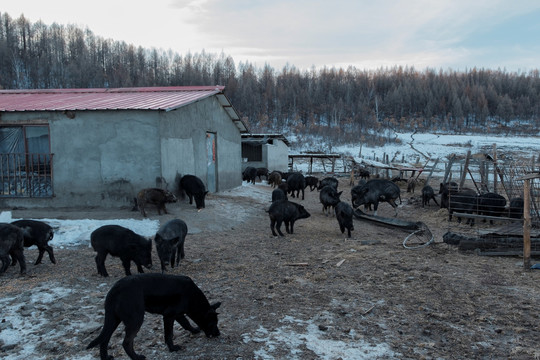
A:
(142, 98)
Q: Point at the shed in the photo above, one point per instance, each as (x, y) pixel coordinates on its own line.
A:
(270, 151)
(89, 147)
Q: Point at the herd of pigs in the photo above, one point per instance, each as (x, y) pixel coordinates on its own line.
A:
(169, 240)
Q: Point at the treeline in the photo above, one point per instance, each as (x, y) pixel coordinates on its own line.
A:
(338, 103)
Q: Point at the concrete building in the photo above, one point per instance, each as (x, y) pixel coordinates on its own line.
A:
(265, 150)
(98, 147)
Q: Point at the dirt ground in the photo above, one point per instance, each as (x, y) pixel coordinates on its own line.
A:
(315, 294)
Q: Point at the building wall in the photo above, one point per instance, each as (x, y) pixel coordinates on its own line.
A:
(183, 143)
(276, 155)
(100, 158)
(103, 158)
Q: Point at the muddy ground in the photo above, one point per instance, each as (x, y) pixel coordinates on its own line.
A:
(315, 294)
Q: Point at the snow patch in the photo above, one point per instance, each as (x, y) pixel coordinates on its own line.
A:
(289, 339)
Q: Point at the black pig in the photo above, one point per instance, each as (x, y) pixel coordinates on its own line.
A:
(249, 174)
(329, 198)
(446, 189)
(374, 191)
(516, 208)
(194, 188)
(287, 212)
(328, 181)
(37, 233)
(296, 182)
(170, 242)
(363, 173)
(262, 171)
(173, 297)
(11, 243)
(279, 194)
(427, 194)
(154, 196)
(312, 182)
(491, 204)
(123, 243)
(464, 201)
(344, 216)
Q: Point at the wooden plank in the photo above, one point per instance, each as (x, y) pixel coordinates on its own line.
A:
(465, 170)
(487, 217)
(431, 171)
(529, 176)
(505, 253)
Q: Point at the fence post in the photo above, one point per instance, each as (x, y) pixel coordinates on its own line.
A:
(495, 168)
(526, 225)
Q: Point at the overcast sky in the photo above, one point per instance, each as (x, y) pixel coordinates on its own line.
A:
(437, 34)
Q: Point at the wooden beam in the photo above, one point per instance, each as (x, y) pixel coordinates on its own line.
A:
(465, 170)
(486, 217)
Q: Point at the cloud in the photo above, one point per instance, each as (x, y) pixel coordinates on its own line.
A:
(420, 33)
(305, 33)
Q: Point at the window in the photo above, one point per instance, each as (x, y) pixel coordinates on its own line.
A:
(252, 152)
(25, 161)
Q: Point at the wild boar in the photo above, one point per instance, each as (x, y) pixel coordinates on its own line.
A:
(262, 171)
(123, 243)
(329, 198)
(312, 182)
(249, 174)
(37, 233)
(11, 243)
(169, 241)
(374, 191)
(287, 212)
(172, 296)
(156, 196)
(193, 187)
(427, 194)
(331, 181)
(274, 178)
(344, 216)
(296, 182)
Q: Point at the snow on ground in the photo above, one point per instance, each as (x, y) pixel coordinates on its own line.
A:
(296, 334)
(440, 146)
(69, 233)
(432, 146)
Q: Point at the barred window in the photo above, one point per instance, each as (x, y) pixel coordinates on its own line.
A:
(252, 152)
(25, 161)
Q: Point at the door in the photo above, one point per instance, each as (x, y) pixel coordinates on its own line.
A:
(211, 162)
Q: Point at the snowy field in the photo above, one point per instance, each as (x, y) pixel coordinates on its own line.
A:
(428, 147)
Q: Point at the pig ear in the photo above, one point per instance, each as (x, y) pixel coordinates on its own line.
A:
(216, 305)
(339, 193)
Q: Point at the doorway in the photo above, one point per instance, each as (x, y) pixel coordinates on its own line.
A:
(211, 174)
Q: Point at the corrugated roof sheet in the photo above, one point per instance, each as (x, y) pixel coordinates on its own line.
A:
(141, 98)
(148, 98)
